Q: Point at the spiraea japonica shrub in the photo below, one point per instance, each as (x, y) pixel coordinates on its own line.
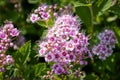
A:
(65, 40)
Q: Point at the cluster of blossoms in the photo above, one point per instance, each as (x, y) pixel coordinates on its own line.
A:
(107, 43)
(5, 60)
(42, 13)
(7, 33)
(64, 44)
(79, 74)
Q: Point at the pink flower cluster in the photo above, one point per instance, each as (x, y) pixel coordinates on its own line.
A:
(5, 60)
(7, 32)
(107, 43)
(64, 44)
(43, 12)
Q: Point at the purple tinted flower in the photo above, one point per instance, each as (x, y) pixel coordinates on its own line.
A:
(3, 35)
(45, 16)
(55, 66)
(51, 39)
(72, 57)
(49, 57)
(9, 59)
(42, 52)
(107, 42)
(76, 41)
(6, 33)
(107, 37)
(43, 7)
(2, 69)
(81, 62)
(64, 54)
(8, 26)
(5, 60)
(14, 32)
(64, 37)
(59, 70)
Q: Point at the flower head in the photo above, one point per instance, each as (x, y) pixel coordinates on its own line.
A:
(64, 44)
(107, 42)
(34, 18)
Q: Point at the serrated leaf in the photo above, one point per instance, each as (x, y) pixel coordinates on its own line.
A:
(22, 55)
(39, 68)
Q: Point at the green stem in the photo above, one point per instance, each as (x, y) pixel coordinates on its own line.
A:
(46, 23)
(92, 26)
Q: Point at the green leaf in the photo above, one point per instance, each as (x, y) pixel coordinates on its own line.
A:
(39, 68)
(117, 33)
(113, 18)
(105, 7)
(101, 6)
(77, 4)
(42, 23)
(22, 55)
(32, 1)
(87, 19)
(1, 76)
(65, 1)
(115, 9)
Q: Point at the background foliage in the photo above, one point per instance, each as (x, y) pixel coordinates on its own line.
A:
(95, 15)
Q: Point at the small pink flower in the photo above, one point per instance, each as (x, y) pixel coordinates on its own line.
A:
(72, 57)
(64, 37)
(49, 57)
(45, 16)
(57, 57)
(70, 45)
(14, 32)
(9, 59)
(43, 7)
(34, 18)
(51, 39)
(42, 52)
(8, 26)
(3, 35)
(64, 53)
(76, 41)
